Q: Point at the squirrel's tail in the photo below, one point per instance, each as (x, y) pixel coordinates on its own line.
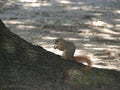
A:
(83, 59)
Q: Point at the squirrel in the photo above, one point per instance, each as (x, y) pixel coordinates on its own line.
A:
(68, 49)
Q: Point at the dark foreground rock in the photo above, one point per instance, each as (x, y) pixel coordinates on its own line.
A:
(24, 66)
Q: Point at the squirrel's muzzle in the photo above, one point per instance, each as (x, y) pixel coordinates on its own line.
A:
(55, 46)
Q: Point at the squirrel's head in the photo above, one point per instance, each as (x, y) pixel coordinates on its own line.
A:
(58, 42)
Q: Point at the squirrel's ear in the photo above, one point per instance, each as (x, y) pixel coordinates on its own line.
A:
(56, 40)
(60, 38)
